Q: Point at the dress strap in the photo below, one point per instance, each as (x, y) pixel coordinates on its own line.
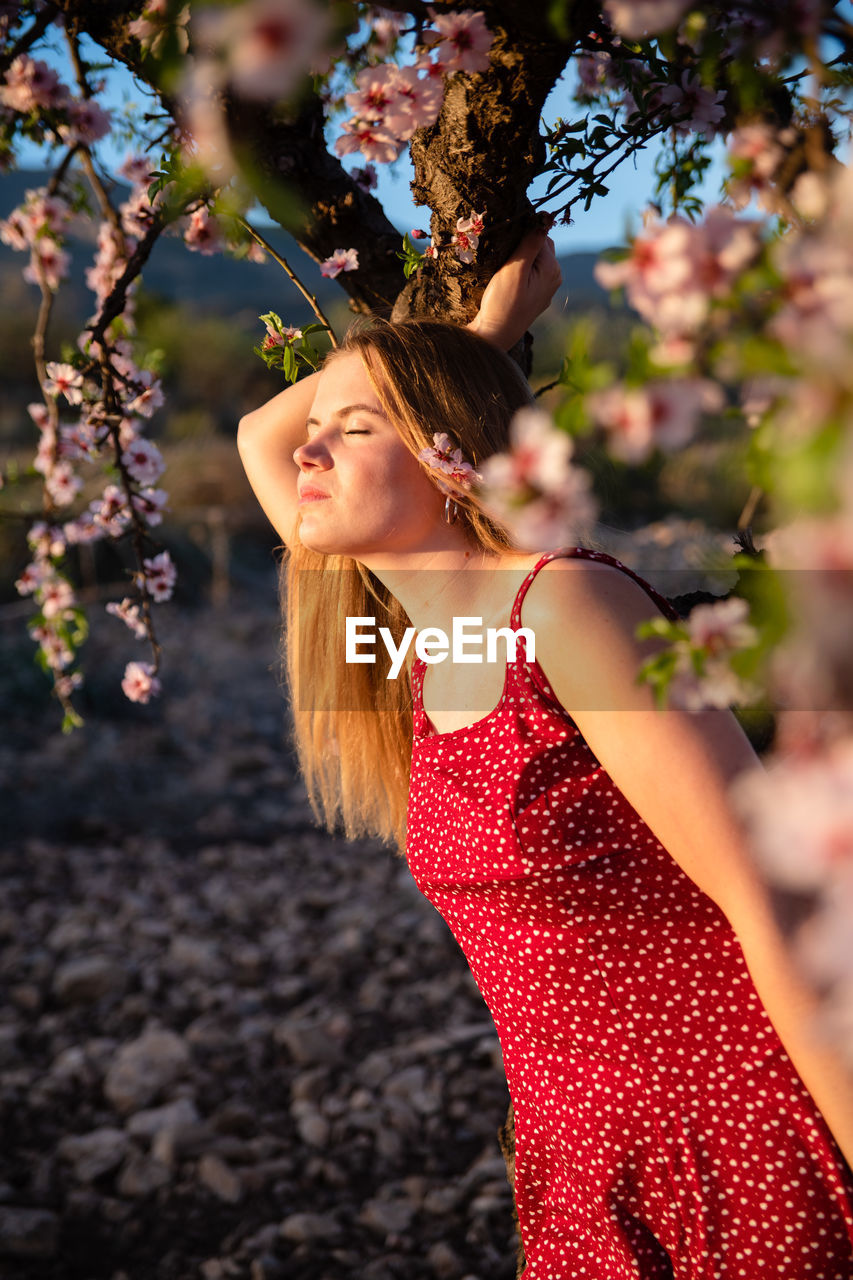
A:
(586, 554)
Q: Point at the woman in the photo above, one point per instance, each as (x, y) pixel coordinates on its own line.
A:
(673, 1118)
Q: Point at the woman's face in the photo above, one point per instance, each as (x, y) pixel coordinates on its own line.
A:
(377, 495)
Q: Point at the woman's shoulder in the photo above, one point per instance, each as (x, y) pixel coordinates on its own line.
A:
(588, 597)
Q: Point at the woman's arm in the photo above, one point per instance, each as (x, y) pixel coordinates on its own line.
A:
(519, 291)
(266, 439)
(675, 768)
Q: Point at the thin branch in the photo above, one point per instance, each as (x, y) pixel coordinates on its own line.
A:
(27, 39)
(138, 531)
(310, 299)
(746, 516)
(115, 302)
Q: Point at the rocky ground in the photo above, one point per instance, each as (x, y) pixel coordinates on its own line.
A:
(230, 1045)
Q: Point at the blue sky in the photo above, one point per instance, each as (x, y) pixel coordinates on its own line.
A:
(606, 222)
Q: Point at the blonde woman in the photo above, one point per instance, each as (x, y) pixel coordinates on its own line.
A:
(673, 1116)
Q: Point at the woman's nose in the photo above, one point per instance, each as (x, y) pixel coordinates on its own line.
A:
(310, 454)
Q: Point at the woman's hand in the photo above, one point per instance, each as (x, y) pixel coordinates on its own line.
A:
(519, 291)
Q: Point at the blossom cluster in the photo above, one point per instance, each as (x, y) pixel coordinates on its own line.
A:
(535, 489)
(31, 86)
(37, 227)
(94, 405)
(391, 102)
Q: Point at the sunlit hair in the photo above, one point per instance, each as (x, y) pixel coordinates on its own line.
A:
(352, 727)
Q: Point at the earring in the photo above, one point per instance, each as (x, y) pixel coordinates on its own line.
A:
(448, 517)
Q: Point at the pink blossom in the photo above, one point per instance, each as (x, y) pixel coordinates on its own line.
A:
(373, 141)
(56, 652)
(204, 233)
(149, 399)
(62, 484)
(375, 92)
(87, 122)
(675, 269)
(718, 686)
(256, 254)
(138, 170)
(595, 71)
(722, 627)
(467, 236)
(140, 683)
(160, 576)
(157, 24)
(535, 490)
(48, 264)
(15, 231)
(45, 459)
(40, 415)
(461, 40)
(65, 685)
(442, 457)
(31, 578)
(818, 288)
(137, 212)
(697, 109)
(385, 28)
(54, 595)
(266, 45)
(637, 19)
(110, 261)
(84, 529)
(64, 380)
(149, 504)
(755, 155)
(144, 461)
(205, 136)
(46, 540)
(39, 214)
(366, 178)
(110, 511)
(341, 260)
(416, 103)
(663, 414)
(32, 85)
(128, 612)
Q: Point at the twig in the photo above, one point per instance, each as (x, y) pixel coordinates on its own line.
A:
(312, 301)
(745, 517)
(115, 302)
(27, 39)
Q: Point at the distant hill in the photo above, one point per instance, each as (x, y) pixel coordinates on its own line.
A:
(217, 284)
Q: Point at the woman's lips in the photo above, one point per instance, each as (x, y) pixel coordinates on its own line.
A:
(311, 496)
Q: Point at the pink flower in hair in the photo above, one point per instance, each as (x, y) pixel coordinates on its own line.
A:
(443, 457)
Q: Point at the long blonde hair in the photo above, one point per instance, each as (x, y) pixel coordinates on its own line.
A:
(351, 726)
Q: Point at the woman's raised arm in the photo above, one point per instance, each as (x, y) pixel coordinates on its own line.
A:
(266, 439)
(519, 291)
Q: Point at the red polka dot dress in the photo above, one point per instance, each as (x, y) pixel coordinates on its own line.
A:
(661, 1129)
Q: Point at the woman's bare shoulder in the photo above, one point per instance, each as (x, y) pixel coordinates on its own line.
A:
(590, 608)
